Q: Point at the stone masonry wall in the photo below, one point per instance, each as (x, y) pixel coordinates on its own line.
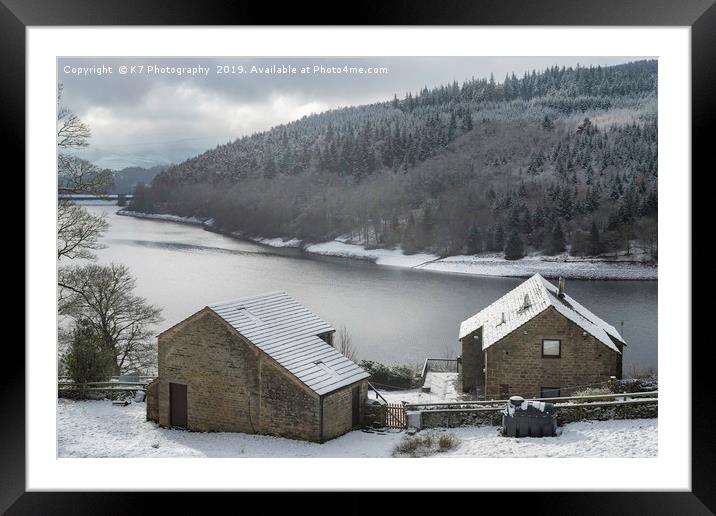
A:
(515, 366)
(231, 385)
(472, 374)
(338, 410)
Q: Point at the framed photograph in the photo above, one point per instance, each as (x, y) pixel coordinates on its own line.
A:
(416, 253)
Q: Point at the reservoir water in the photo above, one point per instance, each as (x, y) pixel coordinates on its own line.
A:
(393, 315)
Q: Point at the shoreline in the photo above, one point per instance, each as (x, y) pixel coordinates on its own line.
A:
(483, 265)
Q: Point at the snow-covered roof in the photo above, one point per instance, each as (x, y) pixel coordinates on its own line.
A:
(288, 332)
(528, 300)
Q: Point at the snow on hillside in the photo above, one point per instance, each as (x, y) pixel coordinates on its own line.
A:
(99, 429)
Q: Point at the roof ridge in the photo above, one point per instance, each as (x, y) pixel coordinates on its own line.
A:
(248, 298)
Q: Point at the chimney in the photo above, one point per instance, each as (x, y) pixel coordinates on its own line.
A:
(561, 287)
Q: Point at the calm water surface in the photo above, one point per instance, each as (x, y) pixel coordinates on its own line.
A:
(393, 315)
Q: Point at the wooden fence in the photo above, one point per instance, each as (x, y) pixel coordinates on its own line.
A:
(395, 416)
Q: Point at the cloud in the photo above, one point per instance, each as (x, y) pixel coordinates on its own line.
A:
(149, 119)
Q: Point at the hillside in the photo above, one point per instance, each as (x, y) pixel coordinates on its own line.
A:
(127, 179)
(565, 158)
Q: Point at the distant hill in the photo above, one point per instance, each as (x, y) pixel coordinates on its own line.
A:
(560, 159)
(126, 180)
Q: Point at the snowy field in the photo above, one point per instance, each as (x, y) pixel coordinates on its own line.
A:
(99, 429)
(485, 265)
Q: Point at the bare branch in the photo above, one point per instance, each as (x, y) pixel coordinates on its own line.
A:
(78, 231)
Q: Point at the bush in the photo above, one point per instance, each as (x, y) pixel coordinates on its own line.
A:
(425, 444)
(592, 391)
(399, 377)
(86, 359)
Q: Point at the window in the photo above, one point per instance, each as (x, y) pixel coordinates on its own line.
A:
(551, 348)
(549, 392)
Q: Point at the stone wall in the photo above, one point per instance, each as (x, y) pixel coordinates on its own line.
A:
(472, 375)
(437, 419)
(515, 366)
(374, 414)
(231, 385)
(338, 410)
(633, 411)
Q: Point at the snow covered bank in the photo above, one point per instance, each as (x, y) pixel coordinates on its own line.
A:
(394, 257)
(99, 429)
(484, 265)
(195, 221)
(549, 267)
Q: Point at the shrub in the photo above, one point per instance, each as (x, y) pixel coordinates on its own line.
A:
(592, 391)
(87, 359)
(399, 376)
(425, 444)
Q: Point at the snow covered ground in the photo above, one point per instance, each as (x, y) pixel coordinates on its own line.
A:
(99, 429)
(484, 265)
(443, 387)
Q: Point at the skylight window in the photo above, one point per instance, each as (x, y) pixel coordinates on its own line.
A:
(248, 315)
(321, 365)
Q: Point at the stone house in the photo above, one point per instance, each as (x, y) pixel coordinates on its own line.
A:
(259, 365)
(536, 341)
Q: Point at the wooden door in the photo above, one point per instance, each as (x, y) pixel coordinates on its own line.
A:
(177, 405)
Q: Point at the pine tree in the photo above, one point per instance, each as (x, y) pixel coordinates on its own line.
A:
(595, 242)
(514, 250)
(499, 237)
(556, 243)
(474, 240)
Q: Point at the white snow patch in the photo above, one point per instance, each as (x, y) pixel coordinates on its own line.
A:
(617, 438)
(99, 429)
(393, 257)
(278, 242)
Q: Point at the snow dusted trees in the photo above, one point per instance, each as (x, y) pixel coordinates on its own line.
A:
(559, 147)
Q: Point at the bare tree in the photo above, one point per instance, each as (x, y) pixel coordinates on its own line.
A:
(78, 231)
(72, 133)
(77, 175)
(345, 344)
(104, 298)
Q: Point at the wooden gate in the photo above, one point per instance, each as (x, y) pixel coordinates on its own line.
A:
(395, 416)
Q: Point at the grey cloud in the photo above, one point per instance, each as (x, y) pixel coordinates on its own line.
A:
(148, 119)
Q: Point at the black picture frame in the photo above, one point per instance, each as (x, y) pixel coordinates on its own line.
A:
(700, 15)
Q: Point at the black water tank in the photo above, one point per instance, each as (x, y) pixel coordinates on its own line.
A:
(523, 418)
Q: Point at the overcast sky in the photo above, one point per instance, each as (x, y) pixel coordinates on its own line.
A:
(145, 118)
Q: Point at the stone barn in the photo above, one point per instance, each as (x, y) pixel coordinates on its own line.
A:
(536, 341)
(259, 365)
